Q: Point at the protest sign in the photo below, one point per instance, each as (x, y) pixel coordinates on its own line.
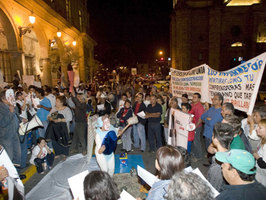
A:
(177, 131)
(238, 85)
(189, 82)
(28, 79)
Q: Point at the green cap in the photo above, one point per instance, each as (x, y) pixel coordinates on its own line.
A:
(240, 159)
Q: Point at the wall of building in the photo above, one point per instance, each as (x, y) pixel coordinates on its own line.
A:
(205, 34)
(51, 17)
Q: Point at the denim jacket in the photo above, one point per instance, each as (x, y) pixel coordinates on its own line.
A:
(158, 190)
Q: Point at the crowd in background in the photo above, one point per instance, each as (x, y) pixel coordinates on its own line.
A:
(234, 143)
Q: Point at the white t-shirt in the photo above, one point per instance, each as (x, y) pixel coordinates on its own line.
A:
(35, 153)
(261, 173)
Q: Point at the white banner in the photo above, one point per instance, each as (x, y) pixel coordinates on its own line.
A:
(177, 131)
(238, 85)
(28, 79)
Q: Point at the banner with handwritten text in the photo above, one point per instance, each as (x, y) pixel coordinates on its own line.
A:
(238, 85)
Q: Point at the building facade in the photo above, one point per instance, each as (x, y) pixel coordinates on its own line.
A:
(220, 33)
(59, 37)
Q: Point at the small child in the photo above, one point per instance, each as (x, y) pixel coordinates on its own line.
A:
(42, 156)
(186, 108)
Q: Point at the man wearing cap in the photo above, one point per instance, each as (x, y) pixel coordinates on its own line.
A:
(239, 171)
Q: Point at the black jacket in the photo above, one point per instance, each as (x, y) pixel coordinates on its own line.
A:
(141, 108)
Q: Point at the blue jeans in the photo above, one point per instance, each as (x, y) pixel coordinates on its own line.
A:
(12, 147)
(154, 133)
(42, 130)
(189, 146)
(196, 147)
(126, 139)
(23, 147)
(139, 136)
(49, 159)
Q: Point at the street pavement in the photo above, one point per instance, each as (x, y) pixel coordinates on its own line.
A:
(148, 159)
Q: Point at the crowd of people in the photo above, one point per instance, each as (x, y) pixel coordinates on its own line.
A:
(234, 144)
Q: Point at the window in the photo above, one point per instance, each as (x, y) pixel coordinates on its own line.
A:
(68, 10)
(80, 20)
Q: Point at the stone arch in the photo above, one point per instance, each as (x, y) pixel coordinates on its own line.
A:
(10, 59)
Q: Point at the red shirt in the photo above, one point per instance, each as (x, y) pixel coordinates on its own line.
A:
(197, 110)
(137, 108)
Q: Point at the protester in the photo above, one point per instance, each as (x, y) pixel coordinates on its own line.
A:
(197, 110)
(174, 105)
(188, 186)
(80, 123)
(139, 128)
(168, 162)
(211, 117)
(123, 115)
(161, 101)
(42, 156)
(253, 122)
(153, 114)
(122, 101)
(98, 185)
(235, 122)
(43, 110)
(9, 124)
(260, 154)
(238, 170)
(50, 96)
(221, 140)
(106, 162)
(58, 130)
(22, 110)
(186, 108)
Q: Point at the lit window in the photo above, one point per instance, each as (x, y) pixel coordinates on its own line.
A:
(237, 44)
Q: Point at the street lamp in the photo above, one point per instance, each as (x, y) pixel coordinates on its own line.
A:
(160, 52)
(59, 34)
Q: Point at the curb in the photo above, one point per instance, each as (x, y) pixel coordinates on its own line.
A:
(29, 173)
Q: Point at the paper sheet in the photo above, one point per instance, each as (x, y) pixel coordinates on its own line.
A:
(126, 196)
(36, 102)
(76, 185)
(141, 114)
(148, 177)
(100, 107)
(198, 172)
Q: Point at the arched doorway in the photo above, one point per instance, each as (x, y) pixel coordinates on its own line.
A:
(31, 54)
(10, 60)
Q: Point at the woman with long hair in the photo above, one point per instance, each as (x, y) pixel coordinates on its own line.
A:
(168, 161)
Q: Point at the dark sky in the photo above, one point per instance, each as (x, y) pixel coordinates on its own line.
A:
(129, 31)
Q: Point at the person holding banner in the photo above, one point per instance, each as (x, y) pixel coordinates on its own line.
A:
(211, 117)
(197, 110)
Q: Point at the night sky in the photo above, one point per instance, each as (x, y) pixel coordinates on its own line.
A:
(129, 31)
